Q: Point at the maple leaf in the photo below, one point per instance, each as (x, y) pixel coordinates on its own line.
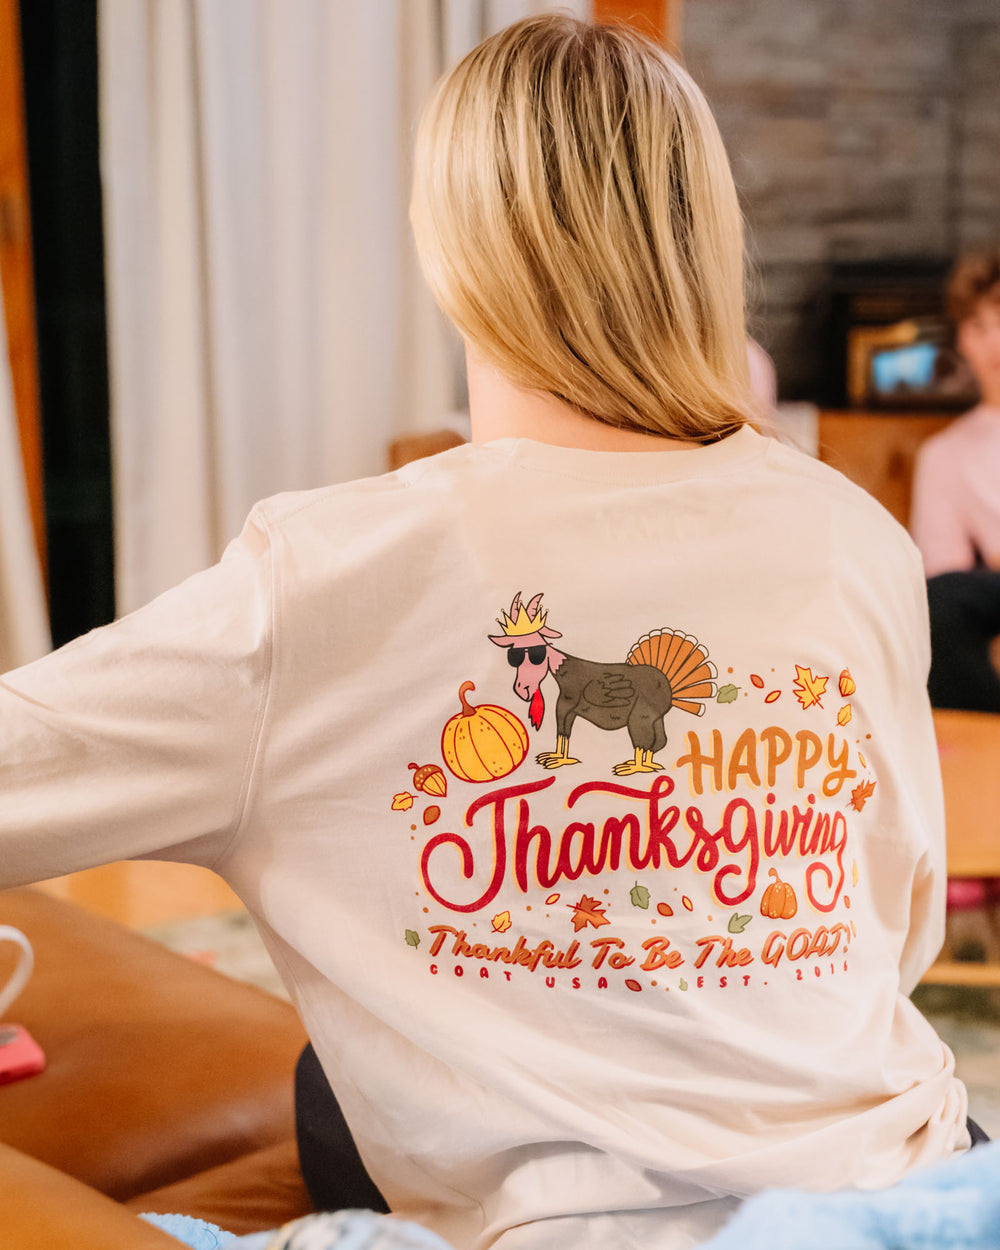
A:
(861, 794)
(501, 922)
(808, 689)
(639, 896)
(588, 911)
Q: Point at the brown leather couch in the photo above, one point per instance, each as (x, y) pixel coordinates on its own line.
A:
(168, 1087)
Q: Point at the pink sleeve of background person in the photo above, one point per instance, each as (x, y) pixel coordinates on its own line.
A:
(937, 517)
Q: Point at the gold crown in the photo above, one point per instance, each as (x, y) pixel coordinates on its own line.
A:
(522, 624)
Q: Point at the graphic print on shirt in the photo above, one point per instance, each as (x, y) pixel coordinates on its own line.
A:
(664, 669)
(571, 898)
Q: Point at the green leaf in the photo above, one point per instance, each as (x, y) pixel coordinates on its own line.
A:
(412, 937)
(727, 694)
(738, 923)
(639, 896)
(683, 985)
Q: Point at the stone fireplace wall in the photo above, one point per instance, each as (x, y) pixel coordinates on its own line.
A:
(858, 130)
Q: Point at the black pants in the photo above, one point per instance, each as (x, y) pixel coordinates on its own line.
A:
(332, 1169)
(331, 1166)
(965, 618)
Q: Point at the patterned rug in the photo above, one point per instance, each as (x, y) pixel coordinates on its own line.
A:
(968, 1020)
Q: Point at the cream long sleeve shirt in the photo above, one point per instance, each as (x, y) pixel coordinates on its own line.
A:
(601, 907)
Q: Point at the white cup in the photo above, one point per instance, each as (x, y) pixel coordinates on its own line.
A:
(21, 974)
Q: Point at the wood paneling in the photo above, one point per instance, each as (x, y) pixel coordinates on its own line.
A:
(878, 450)
(661, 19)
(15, 265)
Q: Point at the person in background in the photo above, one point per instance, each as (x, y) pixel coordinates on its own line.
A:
(955, 519)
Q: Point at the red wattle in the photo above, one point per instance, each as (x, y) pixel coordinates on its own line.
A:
(537, 709)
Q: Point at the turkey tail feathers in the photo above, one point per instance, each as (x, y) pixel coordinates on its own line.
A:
(683, 661)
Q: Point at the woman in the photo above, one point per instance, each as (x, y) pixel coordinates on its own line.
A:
(600, 901)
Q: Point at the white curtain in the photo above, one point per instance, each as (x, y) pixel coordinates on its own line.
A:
(24, 626)
(268, 327)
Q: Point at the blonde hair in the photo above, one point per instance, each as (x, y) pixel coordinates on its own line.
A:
(576, 218)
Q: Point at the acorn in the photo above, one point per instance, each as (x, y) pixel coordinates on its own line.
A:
(847, 686)
(430, 779)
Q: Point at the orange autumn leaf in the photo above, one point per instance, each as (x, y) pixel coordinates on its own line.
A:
(501, 922)
(402, 802)
(773, 697)
(844, 715)
(588, 911)
(808, 689)
(757, 681)
(861, 794)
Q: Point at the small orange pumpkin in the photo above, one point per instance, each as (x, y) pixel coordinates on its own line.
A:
(483, 743)
(778, 902)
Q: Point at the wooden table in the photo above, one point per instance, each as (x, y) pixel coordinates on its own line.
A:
(969, 746)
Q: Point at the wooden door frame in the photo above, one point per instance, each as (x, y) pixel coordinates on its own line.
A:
(661, 19)
(16, 273)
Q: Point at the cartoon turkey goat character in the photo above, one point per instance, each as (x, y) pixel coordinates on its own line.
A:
(663, 670)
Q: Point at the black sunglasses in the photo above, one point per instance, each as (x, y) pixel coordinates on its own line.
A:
(515, 655)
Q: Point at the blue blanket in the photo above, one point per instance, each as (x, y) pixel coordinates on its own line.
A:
(950, 1206)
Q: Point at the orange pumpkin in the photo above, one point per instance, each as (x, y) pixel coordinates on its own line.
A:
(778, 902)
(483, 743)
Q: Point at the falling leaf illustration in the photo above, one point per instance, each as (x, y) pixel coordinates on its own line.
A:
(854, 932)
(773, 697)
(639, 896)
(808, 689)
(501, 922)
(738, 923)
(683, 985)
(431, 814)
(727, 693)
(664, 909)
(687, 902)
(854, 873)
(864, 762)
(412, 937)
(757, 681)
(861, 794)
(587, 912)
(844, 715)
(553, 898)
(402, 802)
(633, 985)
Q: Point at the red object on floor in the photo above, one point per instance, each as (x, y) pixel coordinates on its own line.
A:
(968, 893)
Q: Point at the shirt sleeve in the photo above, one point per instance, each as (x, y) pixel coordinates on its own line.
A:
(936, 516)
(138, 739)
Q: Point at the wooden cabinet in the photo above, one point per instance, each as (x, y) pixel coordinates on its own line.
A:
(878, 450)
